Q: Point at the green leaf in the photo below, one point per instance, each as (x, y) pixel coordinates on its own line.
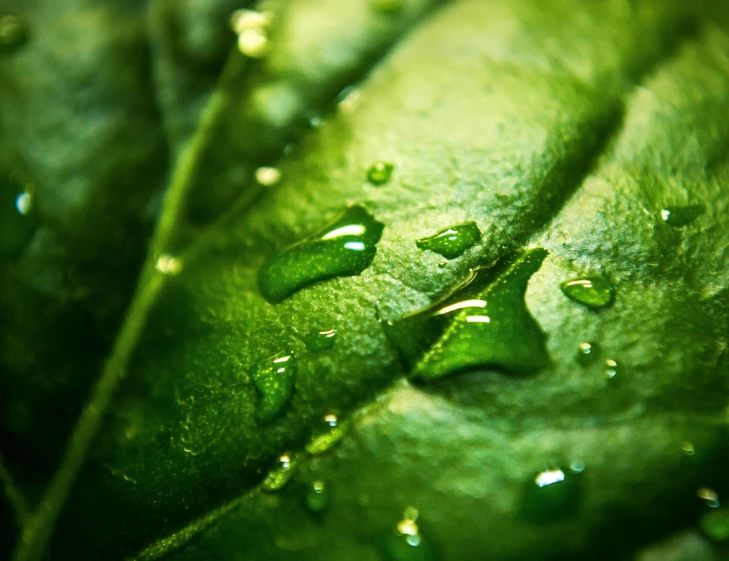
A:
(562, 131)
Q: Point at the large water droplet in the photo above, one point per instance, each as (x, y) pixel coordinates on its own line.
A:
(344, 248)
(13, 33)
(552, 495)
(489, 329)
(715, 524)
(587, 353)
(317, 497)
(280, 475)
(593, 292)
(274, 380)
(380, 173)
(318, 341)
(407, 542)
(681, 215)
(18, 219)
(452, 242)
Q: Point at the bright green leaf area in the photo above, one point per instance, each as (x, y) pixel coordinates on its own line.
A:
(563, 131)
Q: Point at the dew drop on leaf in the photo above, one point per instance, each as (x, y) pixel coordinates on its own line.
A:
(274, 379)
(593, 292)
(709, 496)
(380, 173)
(318, 341)
(327, 436)
(280, 475)
(18, 218)
(452, 242)
(406, 542)
(587, 353)
(169, 265)
(344, 248)
(267, 176)
(13, 33)
(317, 497)
(715, 524)
(494, 329)
(611, 368)
(681, 215)
(552, 495)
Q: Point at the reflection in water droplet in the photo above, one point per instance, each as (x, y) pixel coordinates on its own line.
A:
(274, 379)
(611, 369)
(13, 33)
(281, 475)
(268, 176)
(318, 341)
(494, 330)
(681, 215)
(709, 496)
(452, 242)
(344, 248)
(587, 353)
(688, 448)
(407, 542)
(331, 419)
(715, 524)
(18, 218)
(553, 494)
(380, 173)
(317, 497)
(168, 265)
(593, 292)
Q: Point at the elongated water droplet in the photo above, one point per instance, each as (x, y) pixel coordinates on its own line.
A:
(326, 436)
(280, 475)
(344, 248)
(274, 380)
(407, 542)
(593, 292)
(681, 215)
(715, 524)
(492, 330)
(380, 173)
(13, 33)
(18, 219)
(587, 353)
(268, 177)
(453, 241)
(552, 495)
(318, 341)
(317, 497)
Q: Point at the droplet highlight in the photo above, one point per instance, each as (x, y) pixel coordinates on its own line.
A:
(252, 29)
(587, 353)
(611, 368)
(317, 497)
(274, 379)
(169, 265)
(267, 176)
(553, 494)
(407, 542)
(13, 33)
(593, 292)
(344, 248)
(709, 496)
(18, 217)
(280, 475)
(684, 215)
(453, 241)
(379, 173)
(318, 341)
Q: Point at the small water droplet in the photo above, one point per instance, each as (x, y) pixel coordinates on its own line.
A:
(380, 173)
(709, 496)
(252, 29)
(611, 369)
(688, 448)
(552, 495)
(387, 7)
(344, 248)
(318, 341)
(280, 475)
(453, 241)
(13, 33)
(168, 265)
(268, 177)
(587, 353)
(327, 437)
(18, 220)
(715, 524)
(593, 292)
(681, 215)
(348, 99)
(331, 419)
(407, 542)
(316, 121)
(274, 379)
(317, 497)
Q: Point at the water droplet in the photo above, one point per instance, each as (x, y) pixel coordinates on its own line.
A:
(268, 177)
(407, 542)
(709, 496)
(552, 495)
(688, 448)
(380, 173)
(593, 292)
(316, 121)
(388, 7)
(281, 475)
(344, 248)
(252, 29)
(611, 369)
(681, 215)
(452, 242)
(492, 330)
(348, 99)
(331, 419)
(317, 497)
(241, 20)
(325, 439)
(715, 524)
(18, 218)
(587, 353)
(318, 341)
(13, 33)
(168, 265)
(274, 379)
